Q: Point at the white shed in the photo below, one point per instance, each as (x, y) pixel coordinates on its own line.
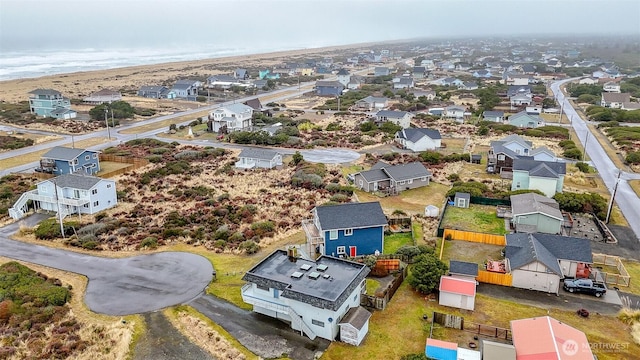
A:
(354, 326)
(431, 211)
(457, 292)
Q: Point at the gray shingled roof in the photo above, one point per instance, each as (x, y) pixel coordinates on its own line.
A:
(325, 83)
(153, 88)
(415, 134)
(540, 168)
(463, 268)
(356, 317)
(262, 154)
(328, 293)
(351, 216)
(44, 92)
(393, 114)
(461, 195)
(373, 99)
(342, 72)
(64, 153)
(517, 139)
(238, 108)
(493, 114)
(408, 171)
(530, 203)
(59, 111)
(542, 149)
(523, 249)
(73, 181)
(374, 175)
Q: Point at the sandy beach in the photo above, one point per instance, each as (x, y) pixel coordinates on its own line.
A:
(80, 84)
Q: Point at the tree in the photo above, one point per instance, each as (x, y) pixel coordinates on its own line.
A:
(483, 130)
(426, 272)
(121, 110)
(367, 126)
(297, 158)
(388, 93)
(548, 103)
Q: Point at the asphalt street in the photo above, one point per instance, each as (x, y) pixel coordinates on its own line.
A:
(626, 198)
(120, 286)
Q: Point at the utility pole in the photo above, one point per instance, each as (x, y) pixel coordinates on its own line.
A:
(55, 188)
(584, 150)
(112, 122)
(106, 121)
(613, 196)
(561, 108)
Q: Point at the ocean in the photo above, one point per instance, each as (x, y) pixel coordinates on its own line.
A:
(20, 64)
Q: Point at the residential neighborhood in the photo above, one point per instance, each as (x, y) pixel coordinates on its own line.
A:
(421, 199)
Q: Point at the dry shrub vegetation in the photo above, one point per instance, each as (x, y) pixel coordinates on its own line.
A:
(195, 195)
(35, 325)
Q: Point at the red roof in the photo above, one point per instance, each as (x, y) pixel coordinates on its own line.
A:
(442, 344)
(458, 286)
(545, 338)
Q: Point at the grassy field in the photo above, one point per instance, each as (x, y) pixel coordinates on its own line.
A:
(554, 119)
(453, 145)
(394, 241)
(478, 218)
(109, 166)
(470, 252)
(400, 329)
(411, 201)
(635, 185)
(372, 286)
(612, 152)
(633, 268)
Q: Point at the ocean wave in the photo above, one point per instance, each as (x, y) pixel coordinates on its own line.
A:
(30, 64)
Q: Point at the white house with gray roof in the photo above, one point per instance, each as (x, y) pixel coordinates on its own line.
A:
(186, 88)
(539, 261)
(494, 116)
(419, 139)
(546, 176)
(69, 194)
(234, 117)
(392, 178)
(317, 297)
(533, 213)
(371, 103)
(401, 118)
(258, 158)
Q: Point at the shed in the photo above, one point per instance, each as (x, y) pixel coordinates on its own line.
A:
(476, 158)
(457, 292)
(442, 350)
(463, 268)
(431, 211)
(492, 350)
(354, 326)
(462, 200)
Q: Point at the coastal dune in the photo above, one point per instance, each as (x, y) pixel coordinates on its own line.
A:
(80, 84)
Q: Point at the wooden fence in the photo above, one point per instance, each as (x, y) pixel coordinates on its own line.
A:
(380, 302)
(135, 163)
(488, 331)
(490, 277)
(448, 320)
(622, 278)
(471, 236)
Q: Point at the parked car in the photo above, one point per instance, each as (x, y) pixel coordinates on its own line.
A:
(586, 286)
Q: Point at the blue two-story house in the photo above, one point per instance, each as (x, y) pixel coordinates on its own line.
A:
(63, 160)
(351, 229)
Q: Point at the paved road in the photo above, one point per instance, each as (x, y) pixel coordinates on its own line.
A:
(119, 286)
(626, 198)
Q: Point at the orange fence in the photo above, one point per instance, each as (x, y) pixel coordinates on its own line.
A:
(388, 264)
(494, 278)
(470, 236)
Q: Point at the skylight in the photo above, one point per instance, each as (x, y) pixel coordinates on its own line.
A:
(305, 267)
(322, 267)
(314, 275)
(297, 275)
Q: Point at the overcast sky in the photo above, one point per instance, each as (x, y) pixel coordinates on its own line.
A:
(25, 24)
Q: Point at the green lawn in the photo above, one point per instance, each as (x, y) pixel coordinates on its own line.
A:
(633, 268)
(470, 252)
(372, 286)
(394, 241)
(478, 218)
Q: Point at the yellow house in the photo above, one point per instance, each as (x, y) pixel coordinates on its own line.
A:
(305, 71)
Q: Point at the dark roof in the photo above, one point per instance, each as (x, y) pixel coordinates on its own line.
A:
(493, 114)
(153, 88)
(222, 78)
(262, 154)
(73, 181)
(551, 169)
(374, 175)
(523, 249)
(356, 317)
(463, 268)
(343, 72)
(415, 134)
(408, 171)
(351, 215)
(328, 293)
(64, 153)
(373, 99)
(254, 103)
(515, 89)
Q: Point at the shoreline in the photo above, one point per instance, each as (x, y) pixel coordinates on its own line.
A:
(82, 83)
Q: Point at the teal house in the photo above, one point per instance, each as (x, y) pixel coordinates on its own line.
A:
(50, 103)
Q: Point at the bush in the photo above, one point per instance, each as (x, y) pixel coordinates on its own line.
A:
(425, 273)
(149, 243)
(572, 153)
(249, 247)
(582, 166)
(633, 157)
(48, 230)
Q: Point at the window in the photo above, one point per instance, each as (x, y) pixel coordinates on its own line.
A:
(87, 157)
(333, 234)
(108, 186)
(75, 161)
(501, 157)
(276, 293)
(424, 178)
(348, 232)
(95, 156)
(70, 162)
(95, 203)
(401, 182)
(341, 250)
(518, 185)
(86, 206)
(317, 322)
(261, 287)
(410, 181)
(360, 182)
(94, 191)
